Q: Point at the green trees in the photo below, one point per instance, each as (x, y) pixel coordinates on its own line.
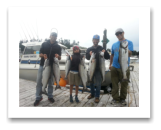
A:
(135, 52)
(21, 46)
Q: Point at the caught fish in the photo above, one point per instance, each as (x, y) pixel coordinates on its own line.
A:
(123, 58)
(92, 66)
(56, 72)
(102, 65)
(45, 76)
(67, 66)
(83, 73)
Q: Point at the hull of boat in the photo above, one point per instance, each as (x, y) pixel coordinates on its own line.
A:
(31, 74)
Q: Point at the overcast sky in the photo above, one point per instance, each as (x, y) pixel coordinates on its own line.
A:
(79, 23)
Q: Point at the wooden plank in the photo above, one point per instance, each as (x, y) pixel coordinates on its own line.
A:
(26, 95)
(80, 97)
(32, 98)
(136, 93)
(67, 102)
(84, 101)
(117, 104)
(81, 88)
(130, 99)
(32, 92)
(135, 80)
(30, 102)
(60, 99)
(91, 102)
(44, 102)
(104, 100)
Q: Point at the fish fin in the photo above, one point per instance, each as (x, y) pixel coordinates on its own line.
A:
(57, 87)
(83, 90)
(44, 92)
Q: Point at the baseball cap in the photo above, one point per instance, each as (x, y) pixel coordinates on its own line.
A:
(75, 47)
(119, 30)
(53, 34)
(96, 37)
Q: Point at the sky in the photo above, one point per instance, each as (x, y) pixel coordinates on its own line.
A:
(79, 23)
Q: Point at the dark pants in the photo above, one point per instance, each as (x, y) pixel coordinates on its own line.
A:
(116, 77)
(96, 82)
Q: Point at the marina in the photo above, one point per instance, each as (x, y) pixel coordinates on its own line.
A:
(27, 90)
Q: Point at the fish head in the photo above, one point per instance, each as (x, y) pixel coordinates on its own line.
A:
(93, 55)
(124, 44)
(101, 53)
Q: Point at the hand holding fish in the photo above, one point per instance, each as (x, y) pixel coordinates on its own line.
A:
(129, 53)
(56, 55)
(45, 56)
(90, 52)
(103, 50)
(110, 67)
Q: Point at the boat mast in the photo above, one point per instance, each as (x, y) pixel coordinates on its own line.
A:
(24, 32)
(28, 33)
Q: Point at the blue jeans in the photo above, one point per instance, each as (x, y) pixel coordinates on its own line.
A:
(98, 81)
(39, 85)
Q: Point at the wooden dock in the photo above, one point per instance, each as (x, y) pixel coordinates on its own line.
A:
(27, 90)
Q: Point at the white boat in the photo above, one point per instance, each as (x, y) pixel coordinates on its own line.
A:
(30, 61)
(133, 59)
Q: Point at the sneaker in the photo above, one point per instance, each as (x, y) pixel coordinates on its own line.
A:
(90, 96)
(76, 99)
(96, 100)
(113, 101)
(51, 100)
(123, 102)
(36, 103)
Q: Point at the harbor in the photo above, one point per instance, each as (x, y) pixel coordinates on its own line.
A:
(27, 90)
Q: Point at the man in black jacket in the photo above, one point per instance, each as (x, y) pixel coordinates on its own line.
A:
(48, 50)
(97, 74)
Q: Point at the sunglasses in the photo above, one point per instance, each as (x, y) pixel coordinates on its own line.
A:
(118, 33)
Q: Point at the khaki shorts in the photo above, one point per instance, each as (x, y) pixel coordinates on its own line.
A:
(74, 79)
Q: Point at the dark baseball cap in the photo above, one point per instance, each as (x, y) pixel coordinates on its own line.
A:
(53, 34)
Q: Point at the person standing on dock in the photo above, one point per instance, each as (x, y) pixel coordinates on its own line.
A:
(97, 74)
(116, 72)
(74, 74)
(48, 50)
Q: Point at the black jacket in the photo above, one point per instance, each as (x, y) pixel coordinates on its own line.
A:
(50, 50)
(76, 58)
(97, 50)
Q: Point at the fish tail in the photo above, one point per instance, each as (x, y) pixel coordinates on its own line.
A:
(57, 87)
(43, 92)
(84, 89)
(125, 80)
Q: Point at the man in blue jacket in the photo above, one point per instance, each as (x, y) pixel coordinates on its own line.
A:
(116, 73)
(97, 74)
